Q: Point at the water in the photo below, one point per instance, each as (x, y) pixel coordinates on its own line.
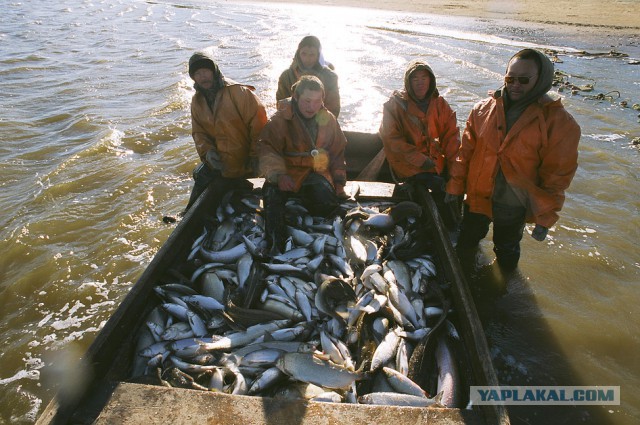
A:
(96, 148)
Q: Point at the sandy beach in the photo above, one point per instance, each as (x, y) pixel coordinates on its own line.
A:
(619, 16)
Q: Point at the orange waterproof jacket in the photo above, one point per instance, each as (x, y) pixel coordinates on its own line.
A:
(285, 147)
(232, 128)
(538, 155)
(410, 136)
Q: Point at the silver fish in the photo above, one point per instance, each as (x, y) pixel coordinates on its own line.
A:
(300, 237)
(213, 286)
(402, 357)
(227, 256)
(293, 254)
(402, 384)
(242, 338)
(197, 324)
(302, 300)
(265, 357)
(203, 302)
(179, 330)
(189, 367)
(266, 380)
(244, 269)
(386, 350)
(285, 310)
(382, 222)
(202, 269)
(448, 377)
(402, 303)
(307, 368)
(396, 399)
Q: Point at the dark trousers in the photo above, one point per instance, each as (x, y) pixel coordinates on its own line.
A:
(508, 227)
(436, 184)
(316, 194)
(202, 177)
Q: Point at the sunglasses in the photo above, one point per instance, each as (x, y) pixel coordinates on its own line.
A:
(521, 80)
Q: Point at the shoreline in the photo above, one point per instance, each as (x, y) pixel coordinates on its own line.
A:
(619, 18)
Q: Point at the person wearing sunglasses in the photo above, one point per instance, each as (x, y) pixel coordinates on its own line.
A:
(518, 155)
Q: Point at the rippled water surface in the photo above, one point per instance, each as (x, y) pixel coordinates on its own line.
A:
(96, 148)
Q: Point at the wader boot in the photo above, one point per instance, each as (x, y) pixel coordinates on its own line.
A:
(508, 227)
(274, 217)
(203, 176)
(318, 196)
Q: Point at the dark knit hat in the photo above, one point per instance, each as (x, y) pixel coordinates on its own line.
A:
(201, 60)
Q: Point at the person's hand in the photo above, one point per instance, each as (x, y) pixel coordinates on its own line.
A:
(286, 183)
(428, 164)
(449, 198)
(539, 232)
(213, 160)
(340, 192)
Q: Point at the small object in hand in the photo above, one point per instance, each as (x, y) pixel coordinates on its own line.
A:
(539, 232)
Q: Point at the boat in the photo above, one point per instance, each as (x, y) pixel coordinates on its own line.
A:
(108, 396)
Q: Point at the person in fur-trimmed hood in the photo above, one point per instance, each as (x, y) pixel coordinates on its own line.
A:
(420, 133)
(519, 154)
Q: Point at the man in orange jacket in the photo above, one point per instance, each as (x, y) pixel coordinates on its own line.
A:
(301, 153)
(519, 154)
(420, 134)
(226, 119)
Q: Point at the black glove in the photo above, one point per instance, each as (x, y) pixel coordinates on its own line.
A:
(539, 233)
(428, 164)
(449, 198)
(213, 160)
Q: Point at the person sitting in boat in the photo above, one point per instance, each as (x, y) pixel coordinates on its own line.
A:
(420, 134)
(309, 60)
(226, 119)
(301, 153)
(519, 154)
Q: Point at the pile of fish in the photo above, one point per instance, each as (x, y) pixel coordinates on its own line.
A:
(352, 311)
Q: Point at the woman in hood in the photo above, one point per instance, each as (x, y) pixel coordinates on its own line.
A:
(308, 60)
(420, 134)
(519, 154)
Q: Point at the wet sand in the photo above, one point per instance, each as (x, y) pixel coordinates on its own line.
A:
(619, 16)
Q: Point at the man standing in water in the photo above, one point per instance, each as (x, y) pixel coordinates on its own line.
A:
(301, 153)
(308, 60)
(420, 134)
(226, 119)
(519, 153)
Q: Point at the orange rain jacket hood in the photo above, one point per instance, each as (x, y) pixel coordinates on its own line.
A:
(411, 136)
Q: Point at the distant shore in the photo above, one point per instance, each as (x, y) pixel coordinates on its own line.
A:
(619, 16)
